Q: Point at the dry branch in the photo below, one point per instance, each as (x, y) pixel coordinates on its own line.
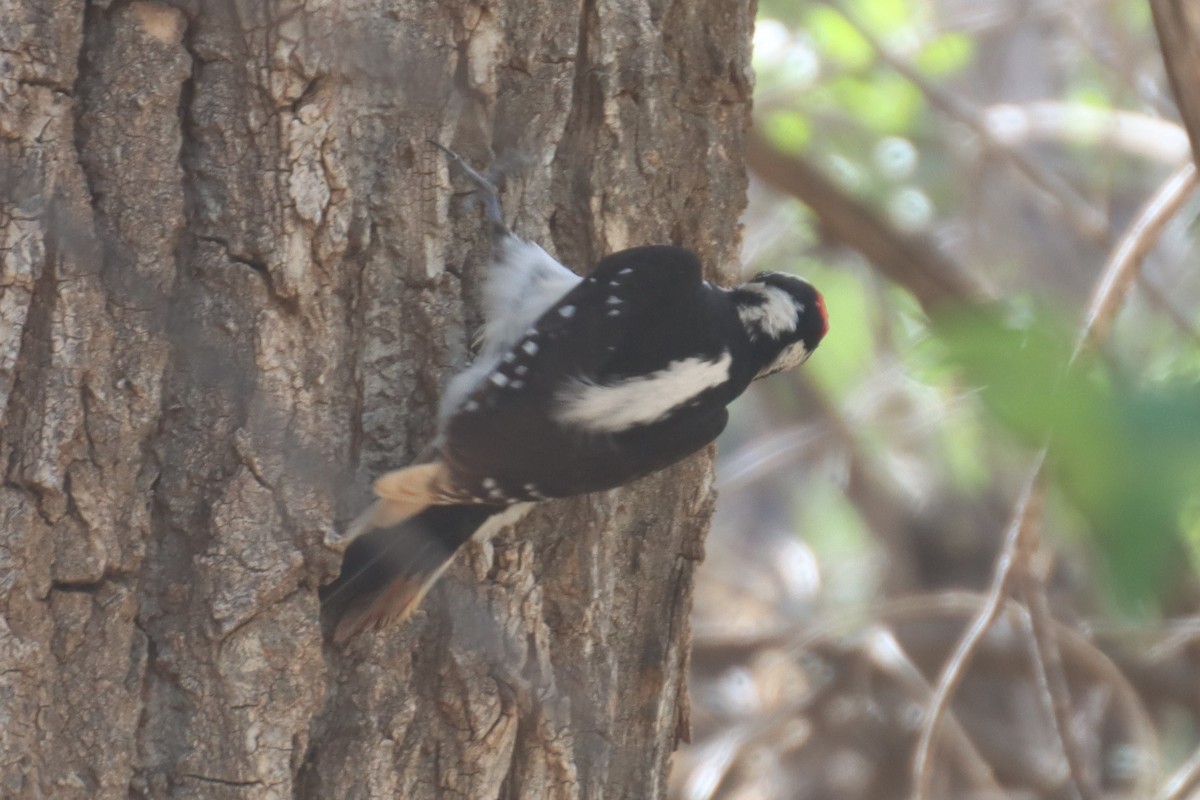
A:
(1111, 288)
(1178, 26)
(1088, 220)
(912, 262)
(1016, 545)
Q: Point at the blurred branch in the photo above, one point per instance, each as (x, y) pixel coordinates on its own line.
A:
(1083, 216)
(1016, 546)
(1021, 544)
(938, 283)
(1086, 662)
(912, 262)
(888, 517)
(1182, 781)
(1126, 261)
(1157, 298)
(1052, 680)
(1128, 132)
(886, 653)
(1178, 26)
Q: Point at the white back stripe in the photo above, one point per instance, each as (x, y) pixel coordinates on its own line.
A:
(638, 401)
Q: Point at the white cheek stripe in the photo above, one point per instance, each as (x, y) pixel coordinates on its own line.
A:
(792, 355)
(776, 315)
(639, 401)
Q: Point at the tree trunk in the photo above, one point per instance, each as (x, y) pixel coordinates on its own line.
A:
(233, 284)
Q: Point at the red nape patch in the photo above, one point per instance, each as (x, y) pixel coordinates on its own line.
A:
(824, 315)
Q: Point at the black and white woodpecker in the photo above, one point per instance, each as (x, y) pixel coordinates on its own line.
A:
(581, 384)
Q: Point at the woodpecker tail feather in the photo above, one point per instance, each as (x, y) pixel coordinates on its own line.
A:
(386, 573)
(406, 491)
(402, 493)
(380, 514)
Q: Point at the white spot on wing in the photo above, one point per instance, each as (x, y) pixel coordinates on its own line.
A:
(530, 347)
(523, 282)
(614, 300)
(499, 378)
(567, 312)
(775, 315)
(640, 401)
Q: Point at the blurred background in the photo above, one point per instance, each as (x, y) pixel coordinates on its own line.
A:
(958, 177)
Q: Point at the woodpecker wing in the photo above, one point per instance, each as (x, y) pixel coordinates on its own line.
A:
(580, 402)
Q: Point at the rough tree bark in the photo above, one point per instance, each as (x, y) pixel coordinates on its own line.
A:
(232, 285)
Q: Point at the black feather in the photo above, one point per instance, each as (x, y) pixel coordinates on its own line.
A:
(413, 551)
(506, 432)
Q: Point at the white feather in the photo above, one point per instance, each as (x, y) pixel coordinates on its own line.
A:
(462, 384)
(775, 315)
(522, 283)
(632, 402)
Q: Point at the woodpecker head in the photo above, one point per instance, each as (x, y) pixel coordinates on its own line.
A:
(784, 317)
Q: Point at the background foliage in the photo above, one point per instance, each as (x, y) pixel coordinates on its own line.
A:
(865, 500)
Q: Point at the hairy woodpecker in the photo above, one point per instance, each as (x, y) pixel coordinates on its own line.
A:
(581, 384)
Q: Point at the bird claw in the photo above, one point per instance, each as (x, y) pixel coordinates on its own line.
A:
(484, 185)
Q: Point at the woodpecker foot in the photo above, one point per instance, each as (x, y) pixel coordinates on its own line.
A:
(484, 185)
(382, 513)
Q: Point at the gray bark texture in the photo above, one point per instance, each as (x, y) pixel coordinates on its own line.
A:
(234, 280)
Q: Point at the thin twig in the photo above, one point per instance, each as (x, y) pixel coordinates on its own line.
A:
(1122, 268)
(1083, 215)
(1027, 509)
(1078, 649)
(884, 651)
(1127, 132)
(1052, 680)
(913, 262)
(1126, 261)
(1158, 299)
(1182, 780)
(1178, 30)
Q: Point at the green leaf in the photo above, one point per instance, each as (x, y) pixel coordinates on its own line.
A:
(838, 40)
(788, 12)
(1127, 457)
(945, 55)
(788, 130)
(1090, 95)
(1134, 16)
(885, 15)
(885, 104)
